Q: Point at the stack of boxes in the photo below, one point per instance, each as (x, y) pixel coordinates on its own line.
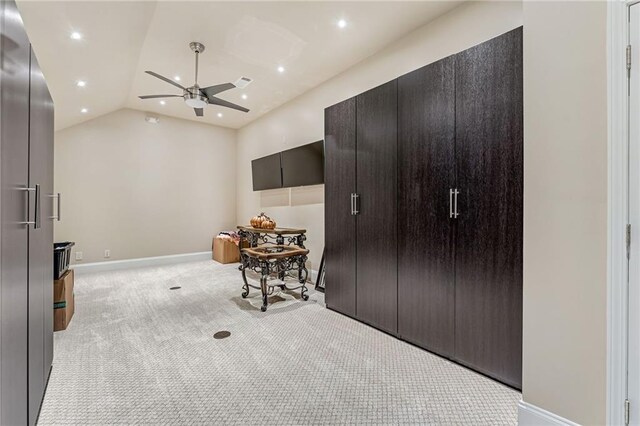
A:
(63, 303)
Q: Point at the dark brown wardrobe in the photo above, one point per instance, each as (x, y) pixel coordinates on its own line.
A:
(26, 232)
(423, 199)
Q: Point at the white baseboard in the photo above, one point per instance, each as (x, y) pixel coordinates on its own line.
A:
(531, 415)
(115, 265)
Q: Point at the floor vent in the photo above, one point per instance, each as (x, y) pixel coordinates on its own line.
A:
(221, 334)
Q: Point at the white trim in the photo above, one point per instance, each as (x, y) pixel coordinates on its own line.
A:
(531, 415)
(617, 40)
(140, 263)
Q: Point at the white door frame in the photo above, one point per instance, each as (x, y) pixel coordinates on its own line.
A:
(618, 153)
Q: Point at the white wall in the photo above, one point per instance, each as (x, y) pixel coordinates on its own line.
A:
(302, 120)
(565, 217)
(140, 189)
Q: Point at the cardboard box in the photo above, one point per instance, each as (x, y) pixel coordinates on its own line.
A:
(225, 251)
(63, 301)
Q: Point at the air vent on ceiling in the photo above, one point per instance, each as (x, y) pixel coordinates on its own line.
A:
(242, 82)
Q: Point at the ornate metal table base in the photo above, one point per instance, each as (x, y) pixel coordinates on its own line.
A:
(278, 260)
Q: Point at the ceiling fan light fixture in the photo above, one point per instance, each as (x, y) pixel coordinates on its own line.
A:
(194, 97)
(196, 102)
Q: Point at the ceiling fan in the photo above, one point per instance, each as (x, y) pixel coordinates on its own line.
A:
(194, 96)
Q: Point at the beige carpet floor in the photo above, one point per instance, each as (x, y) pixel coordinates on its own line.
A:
(137, 352)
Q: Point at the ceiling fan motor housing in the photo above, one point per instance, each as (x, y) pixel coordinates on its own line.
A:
(195, 98)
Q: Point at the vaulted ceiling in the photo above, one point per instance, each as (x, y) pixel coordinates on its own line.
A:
(121, 39)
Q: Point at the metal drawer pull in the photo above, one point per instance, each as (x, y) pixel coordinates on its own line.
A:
(57, 216)
(36, 219)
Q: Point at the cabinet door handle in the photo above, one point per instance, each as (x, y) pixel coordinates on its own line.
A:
(352, 208)
(36, 219)
(58, 197)
(356, 197)
(37, 216)
(455, 203)
(450, 203)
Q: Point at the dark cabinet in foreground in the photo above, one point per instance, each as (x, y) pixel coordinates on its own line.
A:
(437, 208)
(26, 232)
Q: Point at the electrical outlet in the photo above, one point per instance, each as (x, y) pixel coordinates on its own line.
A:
(78, 255)
(107, 253)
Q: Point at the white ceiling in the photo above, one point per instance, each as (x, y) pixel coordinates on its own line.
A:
(123, 39)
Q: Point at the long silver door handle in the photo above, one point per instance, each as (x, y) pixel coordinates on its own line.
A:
(355, 203)
(29, 190)
(450, 202)
(58, 210)
(455, 203)
(37, 216)
(351, 204)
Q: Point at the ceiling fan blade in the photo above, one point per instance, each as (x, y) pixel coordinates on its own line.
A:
(168, 80)
(218, 88)
(159, 96)
(199, 111)
(221, 102)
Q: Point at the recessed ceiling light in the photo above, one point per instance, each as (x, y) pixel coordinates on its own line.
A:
(342, 23)
(220, 114)
(280, 69)
(81, 83)
(176, 78)
(84, 110)
(76, 35)
(244, 96)
(163, 102)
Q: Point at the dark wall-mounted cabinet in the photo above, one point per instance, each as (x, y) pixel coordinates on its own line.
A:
(434, 207)
(26, 231)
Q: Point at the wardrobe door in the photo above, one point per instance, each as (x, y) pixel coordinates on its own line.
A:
(40, 240)
(489, 147)
(377, 204)
(14, 206)
(340, 223)
(426, 173)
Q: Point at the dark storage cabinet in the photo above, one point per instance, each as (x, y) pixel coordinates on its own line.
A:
(26, 231)
(435, 210)
(340, 188)
(376, 236)
(489, 160)
(426, 167)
